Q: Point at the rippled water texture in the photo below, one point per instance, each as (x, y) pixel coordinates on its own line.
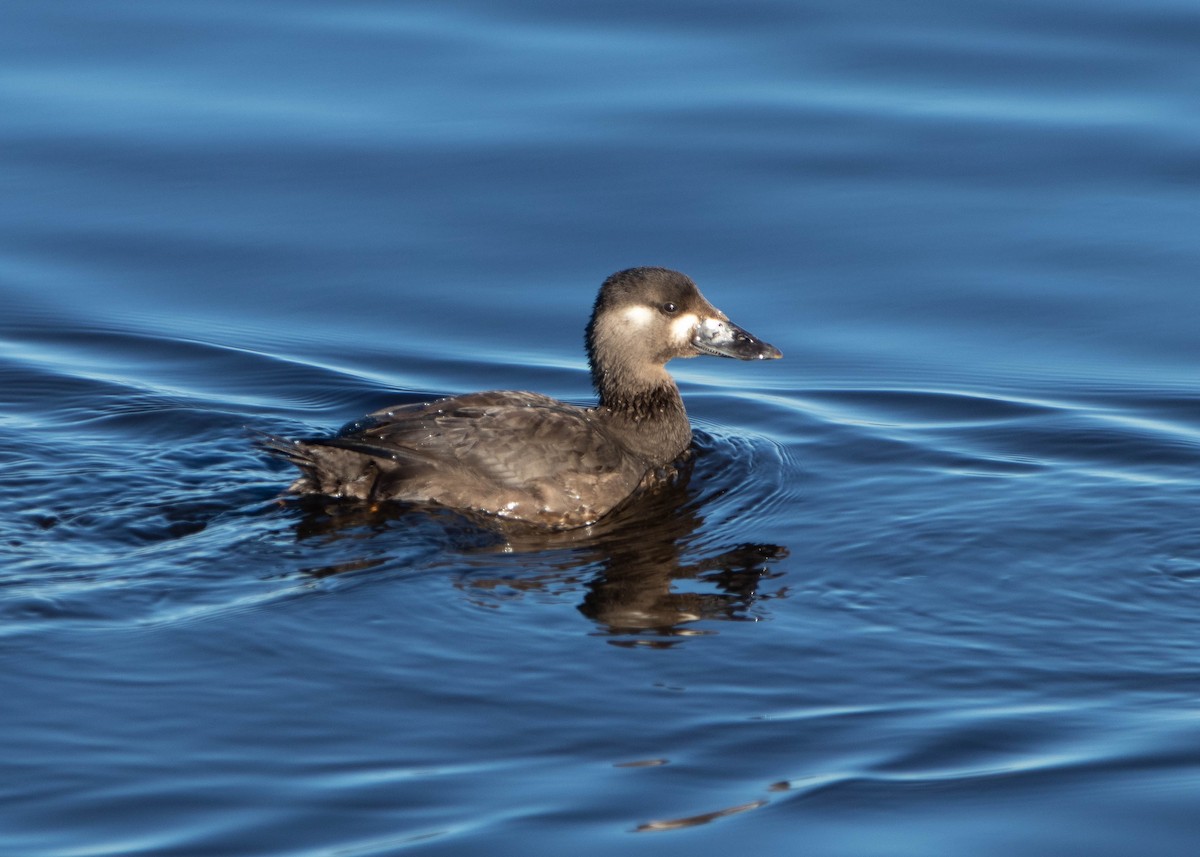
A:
(931, 587)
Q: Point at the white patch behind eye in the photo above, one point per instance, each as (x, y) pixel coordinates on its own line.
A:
(682, 327)
(638, 316)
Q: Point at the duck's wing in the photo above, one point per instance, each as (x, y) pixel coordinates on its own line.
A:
(519, 455)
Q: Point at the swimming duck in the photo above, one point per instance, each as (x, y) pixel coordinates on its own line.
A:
(528, 457)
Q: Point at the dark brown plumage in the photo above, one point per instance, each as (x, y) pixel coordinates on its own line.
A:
(527, 457)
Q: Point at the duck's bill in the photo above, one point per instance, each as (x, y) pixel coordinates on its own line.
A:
(725, 339)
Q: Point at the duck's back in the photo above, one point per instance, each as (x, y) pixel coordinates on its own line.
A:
(512, 454)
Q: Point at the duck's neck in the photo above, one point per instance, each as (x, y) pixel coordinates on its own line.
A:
(653, 422)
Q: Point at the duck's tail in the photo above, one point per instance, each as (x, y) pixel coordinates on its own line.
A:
(327, 465)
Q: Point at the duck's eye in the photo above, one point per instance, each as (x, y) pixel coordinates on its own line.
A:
(669, 308)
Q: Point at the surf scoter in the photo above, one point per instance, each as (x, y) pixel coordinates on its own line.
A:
(528, 457)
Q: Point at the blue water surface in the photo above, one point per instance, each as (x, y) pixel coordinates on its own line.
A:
(933, 587)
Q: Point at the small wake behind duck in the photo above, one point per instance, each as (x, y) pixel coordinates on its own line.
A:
(527, 457)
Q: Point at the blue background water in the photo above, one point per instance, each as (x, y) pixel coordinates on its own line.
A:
(934, 587)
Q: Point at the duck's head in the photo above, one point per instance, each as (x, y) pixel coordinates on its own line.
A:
(644, 317)
(660, 314)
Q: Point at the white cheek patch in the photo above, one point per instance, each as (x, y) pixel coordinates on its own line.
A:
(638, 316)
(682, 327)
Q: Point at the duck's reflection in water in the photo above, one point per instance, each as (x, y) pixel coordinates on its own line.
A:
(642, 594)
(648, 571)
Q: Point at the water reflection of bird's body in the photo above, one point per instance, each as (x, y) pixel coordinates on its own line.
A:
(642, 572)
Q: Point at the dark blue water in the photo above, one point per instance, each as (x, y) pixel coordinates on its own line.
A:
(933, 587)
